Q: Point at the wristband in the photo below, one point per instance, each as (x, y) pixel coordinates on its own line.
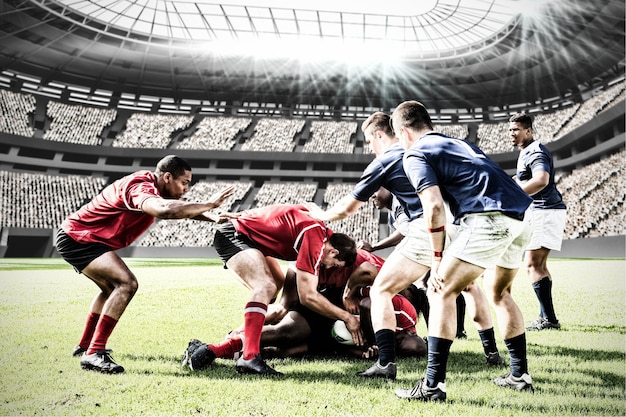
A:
(437, 229)
(437, 254)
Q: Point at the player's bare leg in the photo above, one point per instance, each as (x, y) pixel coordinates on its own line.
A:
(397, 273)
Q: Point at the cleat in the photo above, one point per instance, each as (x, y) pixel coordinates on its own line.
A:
(542, 323)
(78, 351)
(255, 366)
(201, 358)
(494, 359)
(194, 344)
(101, 361)
(377, 371)
(422, 392)
(522, 383)
(461, 335)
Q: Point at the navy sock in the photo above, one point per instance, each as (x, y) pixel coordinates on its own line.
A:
(543, 291)
(517, 354)
(386, 342)
(438, 352)
(460, 314)
(488, 339)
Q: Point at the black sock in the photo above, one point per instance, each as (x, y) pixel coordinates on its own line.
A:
(438, 352)
(543, 290)
(386, 342)
(460, 314)
(517, 354)
(488, 339)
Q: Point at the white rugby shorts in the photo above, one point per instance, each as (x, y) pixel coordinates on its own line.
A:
(490, 239)
(548, 227)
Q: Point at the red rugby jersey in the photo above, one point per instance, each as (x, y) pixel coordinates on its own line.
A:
(284, 232)
(114, 217)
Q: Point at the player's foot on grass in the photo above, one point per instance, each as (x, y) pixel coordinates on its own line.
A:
(494, 359)
(201, 358)
(101, 361)
(78, 351)
(194, 344)
(522, 383)
(541, 323)
(377, 371)
(423, 392)
(256, 366)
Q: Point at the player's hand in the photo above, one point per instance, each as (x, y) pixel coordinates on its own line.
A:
(435, 282)
(365, 246)
(313, 210)
(218, 198)
(351, 304)
(370, 353)
(353, 324)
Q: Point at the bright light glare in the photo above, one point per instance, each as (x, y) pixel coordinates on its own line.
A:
(352, 52)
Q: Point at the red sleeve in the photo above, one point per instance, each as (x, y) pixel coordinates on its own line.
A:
(311, 249)
(138, 192)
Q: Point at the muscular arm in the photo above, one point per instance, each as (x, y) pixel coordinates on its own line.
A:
(538, 182)
(162, 208)
(312, 299)
(343, 208)
(363, 276)
(434, 214)
(391, 240)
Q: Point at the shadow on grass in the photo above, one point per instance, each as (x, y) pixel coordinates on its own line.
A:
(343, 370)
(586, 328)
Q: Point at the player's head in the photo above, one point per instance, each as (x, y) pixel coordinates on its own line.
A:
(341, 251)
(382, 198)
(523, 119)
(174, 176)
(520, 129)
(410, 115)
(375, 128)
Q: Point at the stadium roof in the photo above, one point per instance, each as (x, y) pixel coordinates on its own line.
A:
(450, 54)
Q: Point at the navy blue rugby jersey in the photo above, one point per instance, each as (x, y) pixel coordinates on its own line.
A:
(387, 171)
(536, 157)
(469, 181)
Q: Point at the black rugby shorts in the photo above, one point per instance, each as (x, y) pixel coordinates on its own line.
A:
(228, 242)
(77, 254)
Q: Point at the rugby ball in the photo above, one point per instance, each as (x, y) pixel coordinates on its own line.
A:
(340, 333)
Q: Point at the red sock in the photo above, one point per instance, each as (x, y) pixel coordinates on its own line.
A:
(90, 328)
(105, 327)
(253, 319)
(227, 349)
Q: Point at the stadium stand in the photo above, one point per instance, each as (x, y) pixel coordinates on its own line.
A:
(15, 113)
(284, 193)
(77, 123)
(593, 195)
(362, 226)
(215, 133)
(34, 200)
(453, 130)
(150, 130)
(274, 135)
(331, 137)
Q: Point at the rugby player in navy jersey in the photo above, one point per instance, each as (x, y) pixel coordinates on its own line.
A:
(491, 238)
(535, 174)
(411, 258)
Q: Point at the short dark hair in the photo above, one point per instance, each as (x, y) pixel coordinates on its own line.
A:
(345, 245)
(379, 121)
(172, 164)
(412, 114)
(522, 118)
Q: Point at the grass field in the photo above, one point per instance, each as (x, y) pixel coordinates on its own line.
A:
(578, 371)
